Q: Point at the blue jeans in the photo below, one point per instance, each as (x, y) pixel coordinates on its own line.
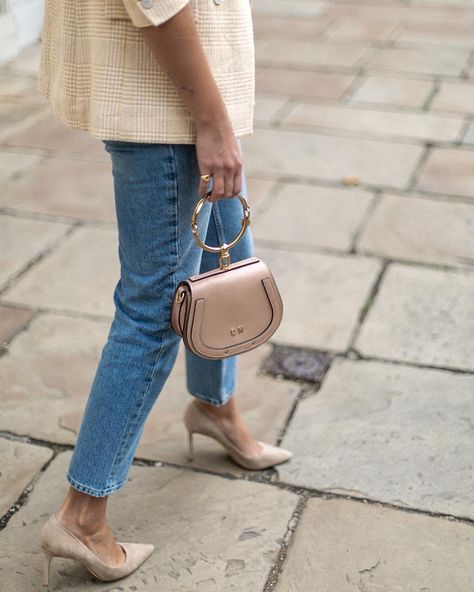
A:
(155, 188)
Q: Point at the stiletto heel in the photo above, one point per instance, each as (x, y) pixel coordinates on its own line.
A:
(58, 541)
(46, 568)
(190, 446)
(198, 421)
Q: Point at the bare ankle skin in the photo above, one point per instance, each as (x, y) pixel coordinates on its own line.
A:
(228, 410)
(85, 511)
(230, 418)
(85, 516)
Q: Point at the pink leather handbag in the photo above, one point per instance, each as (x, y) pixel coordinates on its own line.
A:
(228, 310)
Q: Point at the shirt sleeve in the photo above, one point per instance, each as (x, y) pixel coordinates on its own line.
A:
(144, 13)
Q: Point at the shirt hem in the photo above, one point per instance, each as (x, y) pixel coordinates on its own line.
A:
(133, 136)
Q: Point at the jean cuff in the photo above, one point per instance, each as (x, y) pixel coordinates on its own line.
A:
(92, 490)
(216, 403)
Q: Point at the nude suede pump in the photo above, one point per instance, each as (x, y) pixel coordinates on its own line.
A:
(198, 421)
(59, 541)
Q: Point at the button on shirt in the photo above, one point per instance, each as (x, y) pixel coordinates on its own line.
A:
(100, 75)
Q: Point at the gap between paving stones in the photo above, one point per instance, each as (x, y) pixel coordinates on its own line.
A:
(365, 308)
(47, 217)
(370, 301)
(334, 132)
(46, 153)
(280, 181)
(269, 476)
(39, 257)
(364, 106)
(367, 305)
(275, 571)
(4, 345)
(376, 198)
(303, 495)
(361, 72)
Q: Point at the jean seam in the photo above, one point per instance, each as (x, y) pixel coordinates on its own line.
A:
(130, 427)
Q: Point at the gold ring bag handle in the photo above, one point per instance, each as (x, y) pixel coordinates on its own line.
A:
(228, 310)
(223, 250)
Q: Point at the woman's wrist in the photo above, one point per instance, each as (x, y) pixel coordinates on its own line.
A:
(210, 115)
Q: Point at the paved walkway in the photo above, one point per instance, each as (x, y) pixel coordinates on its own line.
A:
(361, 186)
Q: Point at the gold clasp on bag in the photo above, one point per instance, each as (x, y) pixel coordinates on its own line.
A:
(224, 257)
(223, 250)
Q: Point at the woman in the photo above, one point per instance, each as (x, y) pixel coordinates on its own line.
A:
(168, 86)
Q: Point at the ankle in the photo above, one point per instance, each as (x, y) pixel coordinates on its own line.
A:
(83, 513)
(227, 411)
(86, 525)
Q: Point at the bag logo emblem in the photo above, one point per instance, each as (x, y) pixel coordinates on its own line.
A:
(234, 331)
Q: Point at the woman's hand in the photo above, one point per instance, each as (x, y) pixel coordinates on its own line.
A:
(218, 153)
(177, 47)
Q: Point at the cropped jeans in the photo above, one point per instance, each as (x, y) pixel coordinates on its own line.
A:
(155, 189)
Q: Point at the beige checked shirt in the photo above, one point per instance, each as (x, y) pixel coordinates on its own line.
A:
(100, 75)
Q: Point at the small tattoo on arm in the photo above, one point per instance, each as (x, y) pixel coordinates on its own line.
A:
(190, 90)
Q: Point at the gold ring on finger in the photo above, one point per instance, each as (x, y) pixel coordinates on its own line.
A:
(206, 177)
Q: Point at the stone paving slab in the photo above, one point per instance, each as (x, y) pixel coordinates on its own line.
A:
(49, 133)
(78, 276)
(27, 62)
(400, 92)
(432, 61)
(439, 34)
(395, 12)
(11, 321)
(85, 192)
(371, 122)
(15, 251)
(398, 551)
(359, 29)
(448, 171)
(46, 373)
(14, 115)
(301, 8)
(422, 316)
(271, 24)
(420, 229)
(210, 533)
(11, 164)
(454, 96)
(259, 192)
(469, 137)
(322, 295)
(19, 463)
(20, 89)
(302, 83)
(313, 216)
(324, 157)
(305, 52)
(267, 108)
(387, 432)
(46, 376)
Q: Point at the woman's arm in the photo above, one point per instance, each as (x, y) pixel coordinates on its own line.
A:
(177, 47)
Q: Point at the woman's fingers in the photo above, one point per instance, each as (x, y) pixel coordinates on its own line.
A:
(217, 187)
(238, 182)
(203, 185)
(219, 155)
(227, 182)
